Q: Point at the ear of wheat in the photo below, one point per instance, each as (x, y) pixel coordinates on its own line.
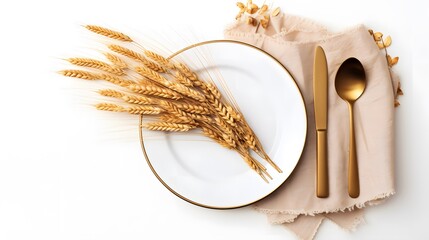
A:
(174, 95)
(109, 33)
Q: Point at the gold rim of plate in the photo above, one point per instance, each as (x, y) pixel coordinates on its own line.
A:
(142, 138)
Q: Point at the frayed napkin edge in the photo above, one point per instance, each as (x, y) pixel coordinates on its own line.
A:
(375, 201)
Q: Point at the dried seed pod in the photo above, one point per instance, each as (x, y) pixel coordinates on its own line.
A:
(387, 41)
(253, 8)
(240, 5)
(263, 9)
(275, 12)
(377, 36)
(392, 61)
(264, 23)
(251, 21)
(397, 103)
(380, 45)
(399, 91)
(371, 32)
(395, 60)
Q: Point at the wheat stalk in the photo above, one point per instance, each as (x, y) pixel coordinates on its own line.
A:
(92, 63)
(115, 60)
(180, 78)
(142, 100)
(127, 52)
(115, 80)
(172, 109)
(110, 107)
(154, 91)
(79, 74)
(168, 126)
(193, 108)
(213, 135)
(222, 112)
(109, 33)
(152, 75)
(137, 57)
(173, 119)
(110, 93)
(185, 70)
(213, 90)
(188, 92)
(143, 110)
(175, 95)
(159, 59)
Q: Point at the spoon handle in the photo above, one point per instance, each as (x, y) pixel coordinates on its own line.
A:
(354, 190)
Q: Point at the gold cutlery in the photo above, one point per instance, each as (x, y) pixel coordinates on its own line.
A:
(350, 83)
(320, 91)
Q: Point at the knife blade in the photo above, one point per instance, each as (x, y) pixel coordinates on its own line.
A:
(320, 91)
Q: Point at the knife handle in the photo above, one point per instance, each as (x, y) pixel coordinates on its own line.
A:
(322, 185)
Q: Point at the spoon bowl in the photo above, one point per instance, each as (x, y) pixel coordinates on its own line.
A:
(350, 83)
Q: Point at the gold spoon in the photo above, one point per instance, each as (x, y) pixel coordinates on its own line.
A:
(350, 83)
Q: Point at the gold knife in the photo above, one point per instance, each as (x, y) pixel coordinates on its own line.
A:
(320, 91)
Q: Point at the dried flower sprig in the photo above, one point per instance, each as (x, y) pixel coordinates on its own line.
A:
(254, 15)
(384, 43)
(148, 83)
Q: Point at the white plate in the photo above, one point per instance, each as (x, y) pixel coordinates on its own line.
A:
(202, 172)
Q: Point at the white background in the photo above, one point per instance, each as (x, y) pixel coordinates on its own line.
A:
(70, 172)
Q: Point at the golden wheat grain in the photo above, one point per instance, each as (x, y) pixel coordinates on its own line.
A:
(180, 78)
(193, 108)
(213, 135)
(154, 91)
(186, 91)
(109, 33)
(142, 100)
(222, 112)
(173, 119)
(251, 142)
(152, 75)
(110, 93)
(199, 117)
(169, 127)
(143, 110)
(229, 140)
(79, 74)
(92, 63)
(185, 70)
(137, 57)
(115, 80)
(159, 59)
(115, 60)
(234, 113)
(110, 107)
(213, 90)
(154, 66)
(127, 52)
(172, 109)
(223, 126)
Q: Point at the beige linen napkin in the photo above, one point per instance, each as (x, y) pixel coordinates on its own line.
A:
(292, 41)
